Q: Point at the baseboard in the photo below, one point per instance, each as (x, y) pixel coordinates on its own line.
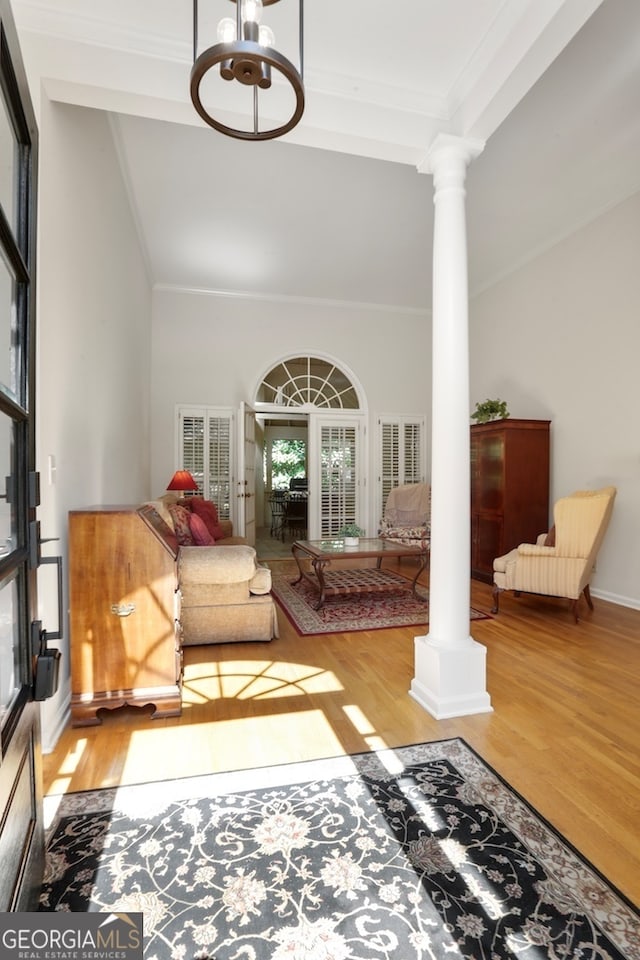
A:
(54, 717)
(632, 602)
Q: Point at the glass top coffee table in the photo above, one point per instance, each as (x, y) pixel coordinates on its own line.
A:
(322, 554)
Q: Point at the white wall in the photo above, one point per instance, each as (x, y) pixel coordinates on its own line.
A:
(94, 329)
(560, 340)
(214, 350)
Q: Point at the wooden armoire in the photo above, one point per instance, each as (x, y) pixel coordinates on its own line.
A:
(124, 641)
(509, 488)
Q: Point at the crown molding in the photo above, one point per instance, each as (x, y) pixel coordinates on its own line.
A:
(286, 298)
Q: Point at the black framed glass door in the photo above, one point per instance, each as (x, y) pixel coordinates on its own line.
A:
(21, 833)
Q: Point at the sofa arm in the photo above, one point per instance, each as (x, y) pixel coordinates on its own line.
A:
(227, 526)
(260, 583)
(215, 565)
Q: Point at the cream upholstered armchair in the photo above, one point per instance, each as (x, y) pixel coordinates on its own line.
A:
(561, 563)
(407, 514)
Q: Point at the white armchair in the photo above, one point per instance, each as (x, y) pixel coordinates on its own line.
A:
(561, 562)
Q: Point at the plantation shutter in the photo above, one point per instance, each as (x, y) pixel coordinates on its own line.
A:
(339, 468)
(401, 444)
(220, 464)
(413, 452)
(192, 446)
(205, 449)
(389, 458)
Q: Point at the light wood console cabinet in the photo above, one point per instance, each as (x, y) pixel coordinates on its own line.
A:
(124, 638)
(509, 489)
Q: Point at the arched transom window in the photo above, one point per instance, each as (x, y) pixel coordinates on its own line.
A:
(308, 381)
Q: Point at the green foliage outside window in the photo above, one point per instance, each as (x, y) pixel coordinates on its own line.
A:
(288, 459)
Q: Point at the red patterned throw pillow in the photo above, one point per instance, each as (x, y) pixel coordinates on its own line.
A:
(199, 531)
(207, 511)
(180, 516)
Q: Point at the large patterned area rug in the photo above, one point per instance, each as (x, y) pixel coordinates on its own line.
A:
(344, 614)
(416, 853)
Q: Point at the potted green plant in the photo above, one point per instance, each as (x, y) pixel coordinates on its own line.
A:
(351, 533)
(490, 410)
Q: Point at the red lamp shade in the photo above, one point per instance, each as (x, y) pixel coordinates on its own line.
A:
(182, 480)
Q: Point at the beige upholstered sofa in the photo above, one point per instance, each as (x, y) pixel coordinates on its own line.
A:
(223, 595)
(561, 562)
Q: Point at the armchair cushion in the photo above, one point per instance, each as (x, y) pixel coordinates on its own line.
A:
(404, 534)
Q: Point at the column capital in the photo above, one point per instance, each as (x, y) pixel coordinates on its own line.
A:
(448, 150)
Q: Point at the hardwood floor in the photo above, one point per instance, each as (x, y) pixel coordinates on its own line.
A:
(564, 731)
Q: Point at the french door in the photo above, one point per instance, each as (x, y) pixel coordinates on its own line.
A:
(21, 832)
(336, 477)
(246, 512)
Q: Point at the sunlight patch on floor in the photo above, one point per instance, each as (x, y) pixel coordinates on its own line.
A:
(365, 728)
(229, 744)
(68, 767)
(254, 679)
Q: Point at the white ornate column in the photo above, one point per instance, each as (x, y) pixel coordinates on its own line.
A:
(450, 667)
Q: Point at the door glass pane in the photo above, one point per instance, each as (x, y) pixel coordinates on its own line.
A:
(288, 461)
(8, 167)
(8, 524)
(7, 328)
(10, 679)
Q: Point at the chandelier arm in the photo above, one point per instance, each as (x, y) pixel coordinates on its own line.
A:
(301, 34)
(195, 30)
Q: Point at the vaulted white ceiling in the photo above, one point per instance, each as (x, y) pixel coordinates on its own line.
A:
(337, 208)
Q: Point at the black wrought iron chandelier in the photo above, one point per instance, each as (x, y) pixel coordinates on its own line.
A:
(246, 57)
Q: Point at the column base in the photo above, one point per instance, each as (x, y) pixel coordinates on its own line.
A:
(450, 682)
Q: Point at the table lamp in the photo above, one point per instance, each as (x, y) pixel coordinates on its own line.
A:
(182, 481)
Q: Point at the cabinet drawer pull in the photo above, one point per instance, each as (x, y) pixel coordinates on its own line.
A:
(122, 609)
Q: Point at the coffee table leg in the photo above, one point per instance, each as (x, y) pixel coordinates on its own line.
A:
(296, 556)
(421, 567)
(318, 566)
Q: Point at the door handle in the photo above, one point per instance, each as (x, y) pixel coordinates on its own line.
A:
(58, 562)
